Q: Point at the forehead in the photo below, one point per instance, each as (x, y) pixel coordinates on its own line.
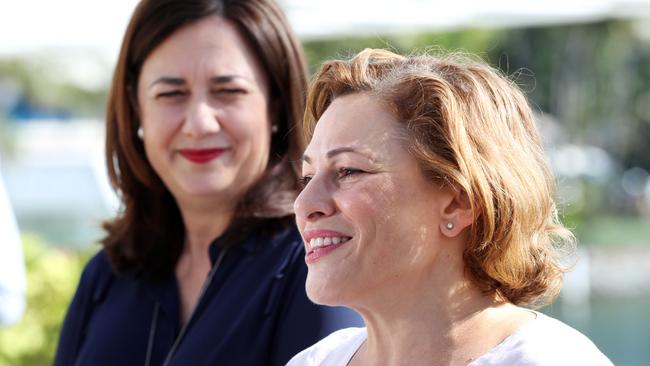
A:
(213, 44)
(360, 120)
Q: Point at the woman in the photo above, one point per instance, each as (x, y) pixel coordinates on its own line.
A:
(428, 208)
(203, 264)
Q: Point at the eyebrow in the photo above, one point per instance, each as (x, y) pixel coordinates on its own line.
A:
(224, 79)
(339, 150)
(176, 81)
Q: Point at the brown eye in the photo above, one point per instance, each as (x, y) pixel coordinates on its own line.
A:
(347, 172)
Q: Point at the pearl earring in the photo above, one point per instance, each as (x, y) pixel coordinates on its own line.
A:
(450, 225)
(140, 133)
(274, 129)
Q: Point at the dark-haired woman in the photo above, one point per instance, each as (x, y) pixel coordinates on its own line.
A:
(203, 264)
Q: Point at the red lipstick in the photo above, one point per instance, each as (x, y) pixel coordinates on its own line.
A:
(201, 156)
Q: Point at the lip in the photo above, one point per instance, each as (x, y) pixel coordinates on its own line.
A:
(201, 156)
(312, 255)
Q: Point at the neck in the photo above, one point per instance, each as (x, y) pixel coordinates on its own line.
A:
(437, 319)
(203, 225)
(431, 335)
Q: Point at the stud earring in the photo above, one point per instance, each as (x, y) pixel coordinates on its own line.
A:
(274, 129)
(140, 133)
(450, 225)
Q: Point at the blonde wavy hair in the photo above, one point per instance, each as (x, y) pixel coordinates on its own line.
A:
(471, 128)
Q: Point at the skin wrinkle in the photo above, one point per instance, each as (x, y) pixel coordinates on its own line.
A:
(377, 189)
(469, 131)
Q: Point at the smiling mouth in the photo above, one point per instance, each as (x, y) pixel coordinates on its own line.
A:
(321, 242)
(321, 246)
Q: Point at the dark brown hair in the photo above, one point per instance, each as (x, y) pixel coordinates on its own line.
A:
(148, 233)
(471, 128)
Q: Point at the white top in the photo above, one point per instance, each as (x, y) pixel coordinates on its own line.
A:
(12, 264)
(540, 342)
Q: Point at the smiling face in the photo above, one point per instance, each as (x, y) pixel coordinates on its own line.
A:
(203, 102)
(369, 218)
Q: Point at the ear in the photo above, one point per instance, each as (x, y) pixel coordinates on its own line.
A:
(456, 214)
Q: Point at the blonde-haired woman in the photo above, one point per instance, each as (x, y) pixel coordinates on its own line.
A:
(428, 208)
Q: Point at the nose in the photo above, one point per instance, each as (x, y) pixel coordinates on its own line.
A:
(315, 201)
(200, 119)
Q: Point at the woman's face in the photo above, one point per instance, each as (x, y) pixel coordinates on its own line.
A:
(369, 219)
(203, 101)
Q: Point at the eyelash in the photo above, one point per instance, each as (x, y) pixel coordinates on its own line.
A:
(346, 172)
(170, 94)
(341, 173)
(230, 91)
(303, 181)
(179, 93)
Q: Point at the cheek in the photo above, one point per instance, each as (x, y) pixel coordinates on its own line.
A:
(383, 217)
(249, 115)
(158, 137)
(300, 224)
(160, 125)
(368, 210)
(248, 127)
(252, 147)
(375, 201)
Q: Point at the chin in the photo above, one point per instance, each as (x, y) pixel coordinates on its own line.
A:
(324, 292)
(206, 187)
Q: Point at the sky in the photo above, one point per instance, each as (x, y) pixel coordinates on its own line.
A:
(41, 25)
(36, 25)
(85, 35)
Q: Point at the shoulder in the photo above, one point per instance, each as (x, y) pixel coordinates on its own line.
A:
(98, 265)
(96, 275)
(333, 350)
(569, 346)
(95, 280)
(545, 341)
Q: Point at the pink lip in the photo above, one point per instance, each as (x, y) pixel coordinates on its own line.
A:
(315, 254)
(201, 156)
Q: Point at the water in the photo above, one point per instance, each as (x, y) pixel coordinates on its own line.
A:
(620, 327)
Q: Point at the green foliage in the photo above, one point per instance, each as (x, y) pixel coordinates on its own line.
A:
(471, 40)
(40, 83)
(6, 139)
(588, 76)
(614, 231)
(591, 81)
(52, 278)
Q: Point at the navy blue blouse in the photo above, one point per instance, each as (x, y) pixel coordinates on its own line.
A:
(253, 312)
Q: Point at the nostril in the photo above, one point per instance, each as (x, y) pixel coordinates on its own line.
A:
(315, 215)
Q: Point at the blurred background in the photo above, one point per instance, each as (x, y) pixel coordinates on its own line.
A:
(585, 65)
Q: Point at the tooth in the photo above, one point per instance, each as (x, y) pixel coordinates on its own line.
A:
(312, 243)
(319, 242)
(327, 241)
(336, 240)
